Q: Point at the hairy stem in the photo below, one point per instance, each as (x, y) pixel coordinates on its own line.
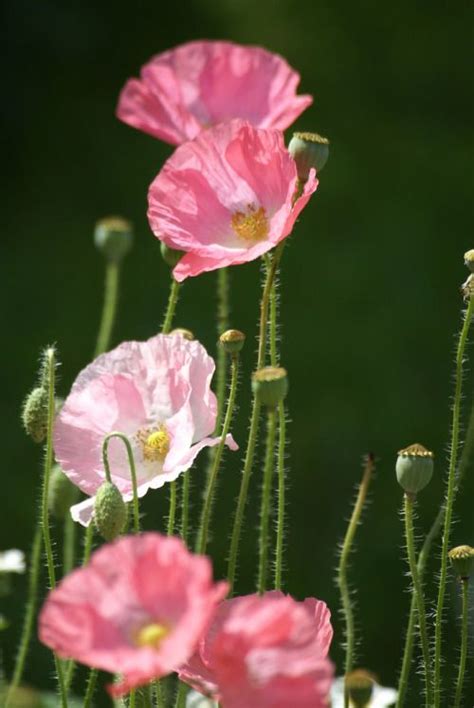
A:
(109, 310)
(265, 507)
(172, 509)
(185, 490)
(171, 307)
(133, 472)
(91, 683)
(223, 309)
(464, 637)
(281, 496)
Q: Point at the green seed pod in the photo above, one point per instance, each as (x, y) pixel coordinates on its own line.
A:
(414, 468)
(35, 414)
(359, 685)
(170, 256)
(110, 511)
(308, 150)
(62, 493)
(462, 558)
(185, 333)
(114, 237)
(232, 341)
(270, 385)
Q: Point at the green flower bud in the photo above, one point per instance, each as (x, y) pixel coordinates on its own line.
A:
(186, 333)
(469, 260)
(114, 237)
(308, 150)
(110, 511)
(62, 493)
(414, 468)
(35, 414)
(232, 341)
(170, 256)
(270, 385)
(462, 558)
(359, 685)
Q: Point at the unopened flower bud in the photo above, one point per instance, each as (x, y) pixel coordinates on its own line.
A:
(467, 288)
(308, 150)
(35, 414)
(270, 385)
(232, 341)
(110, 511)
(185, 333)
(469, 259)
(170, 256)
(114, 237)
(414, 468)
(62, 493)
(359, 685)
(462, 558)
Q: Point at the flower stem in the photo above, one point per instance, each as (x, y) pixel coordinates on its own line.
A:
(222, 325)
(185, 489)
(209, 494)
(419, 596)
(271, 271)
(172, 509)
(69, 535)
(30, 611)
(171, 307)
(464, 637)
(133, 472)
(265, 508)
(112, 273)
(160, 699)
(347, 608)
(281, 496)
(450, 496)
(91, 683)
(181, 695)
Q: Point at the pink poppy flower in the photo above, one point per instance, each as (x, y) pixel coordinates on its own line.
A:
(226, 197)
(158, 394)
(266, 652)
(200, 84)
(137, 609)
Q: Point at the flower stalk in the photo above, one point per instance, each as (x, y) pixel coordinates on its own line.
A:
(265, 508)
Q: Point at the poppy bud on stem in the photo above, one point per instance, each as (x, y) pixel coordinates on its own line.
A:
(462, 559)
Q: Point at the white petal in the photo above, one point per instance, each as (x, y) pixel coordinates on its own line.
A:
(12, 561)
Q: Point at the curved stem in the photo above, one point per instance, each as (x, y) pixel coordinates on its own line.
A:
(222, 325)
(172, 509)
(209, 494)
(281, 496)
(185, 489)
(171, 307)
(30, 611)
(133, 472)
(450, 496)
(91, 683)
(112, 273)
(419, 597)
(464, 637)
(265, 507)
(342, 582)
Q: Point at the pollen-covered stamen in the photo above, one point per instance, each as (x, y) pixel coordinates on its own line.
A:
(150, 635)
(252, 226)
(155, 443)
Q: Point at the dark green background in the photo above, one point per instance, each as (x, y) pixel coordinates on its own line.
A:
(370, 285)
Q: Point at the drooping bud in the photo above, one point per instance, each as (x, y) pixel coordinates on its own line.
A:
(462, 558)
(170, 256)
(114, 237)
(35, 414)
(270, 385)
(414, 468)
(110, 511)
(232, 341)
(308, 150)
(469, 259)
(62, 493)
(359, 685)
(185, 333)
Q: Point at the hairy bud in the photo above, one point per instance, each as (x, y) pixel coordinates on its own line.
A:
(110, 511)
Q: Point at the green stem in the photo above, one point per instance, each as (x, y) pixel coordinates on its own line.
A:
(419, 597)
(30, 611)
(450, 496)
(160, 699)
(273, 322)
(112, 273)
(132, 700)
(133, 472)
(347, 608)
(271, 271)
(265, 508)
(209, 494)
(172, 509)
(181, 695)
(185, 489)
(281, 496)
(464, 637)
(222, 325)
(171, 307)
(91, 683)
(69, 541)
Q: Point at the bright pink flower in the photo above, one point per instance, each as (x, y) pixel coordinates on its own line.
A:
(158, 394)
(200, 84)
(137, 609)
(226, 197)
(265, 652)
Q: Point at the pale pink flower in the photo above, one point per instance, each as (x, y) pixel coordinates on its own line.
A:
(226, 197)
(137, 609)
(200, 84)
(158, 394)
(265, 652)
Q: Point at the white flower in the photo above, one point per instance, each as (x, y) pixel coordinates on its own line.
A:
(12, 561)
(197, 700)
(381, 697)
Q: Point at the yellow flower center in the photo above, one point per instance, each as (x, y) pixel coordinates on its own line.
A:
(252, 226)
(151, 635)
(155, 444)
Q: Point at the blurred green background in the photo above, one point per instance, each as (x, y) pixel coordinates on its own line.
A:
(370, 297)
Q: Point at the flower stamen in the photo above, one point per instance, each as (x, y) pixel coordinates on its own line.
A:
(151, 635)
(252, 226)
